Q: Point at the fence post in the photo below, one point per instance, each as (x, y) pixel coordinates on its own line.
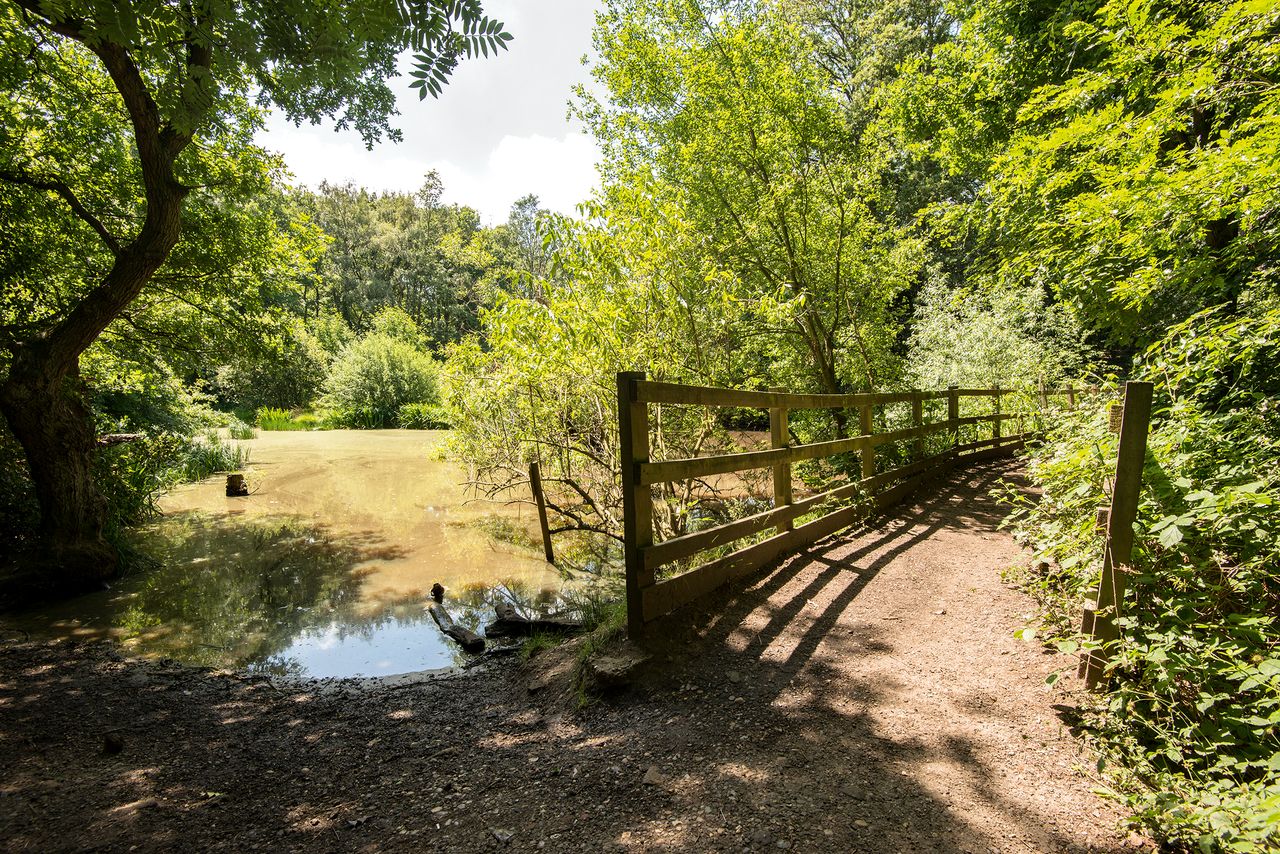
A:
(1071, 396)
(868, 453)
(637, 500)
(780, 438)
(535, 483)
(953, 415)
(995, 422)
(1100, 622)
(917, 421)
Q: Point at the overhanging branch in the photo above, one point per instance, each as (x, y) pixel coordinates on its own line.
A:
(68, 196)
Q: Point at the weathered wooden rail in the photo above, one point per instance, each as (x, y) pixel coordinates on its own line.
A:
(650, 596)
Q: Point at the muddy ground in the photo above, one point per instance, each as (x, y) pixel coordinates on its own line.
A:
(866, 695)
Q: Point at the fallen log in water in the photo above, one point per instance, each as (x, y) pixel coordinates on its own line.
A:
(511, 623)
(467, 639)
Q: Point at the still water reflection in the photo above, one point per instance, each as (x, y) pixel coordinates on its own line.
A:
(324, 569)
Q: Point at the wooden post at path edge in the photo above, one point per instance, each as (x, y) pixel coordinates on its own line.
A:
(535, 483)
(953, 414)
(1100, 621)
(779, 438)
(867, 427)
(637, 500)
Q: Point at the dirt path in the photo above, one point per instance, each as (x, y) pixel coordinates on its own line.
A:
(868, 695)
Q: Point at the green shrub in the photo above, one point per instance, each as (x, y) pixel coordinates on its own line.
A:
(132, 475)
(1192, 721)
(239, 430)
(286, 371)
(392, 322)
(422, 416)
(979, 339)
(130, 393)
(375, 376)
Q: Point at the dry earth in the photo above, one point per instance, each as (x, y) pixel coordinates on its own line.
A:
(867, 695)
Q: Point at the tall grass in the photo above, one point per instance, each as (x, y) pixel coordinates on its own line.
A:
(270, 418)
(206, 455)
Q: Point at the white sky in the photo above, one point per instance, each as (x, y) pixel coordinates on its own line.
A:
(498, 131)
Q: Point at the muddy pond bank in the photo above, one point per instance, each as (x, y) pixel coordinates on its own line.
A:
(323, 570)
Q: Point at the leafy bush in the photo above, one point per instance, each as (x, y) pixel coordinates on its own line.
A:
(981, 339)
(377, 375)
(422, 416)
(392, 322)
(287, 370)
(239, 430)
(130, 393)
(1194, 710)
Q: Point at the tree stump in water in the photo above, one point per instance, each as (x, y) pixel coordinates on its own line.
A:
(236, 486)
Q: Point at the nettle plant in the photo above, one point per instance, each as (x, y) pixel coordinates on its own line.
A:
(1193, 710)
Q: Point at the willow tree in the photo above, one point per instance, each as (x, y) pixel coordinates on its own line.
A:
(119, 120)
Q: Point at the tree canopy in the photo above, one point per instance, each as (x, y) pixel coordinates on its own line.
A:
(127, 123)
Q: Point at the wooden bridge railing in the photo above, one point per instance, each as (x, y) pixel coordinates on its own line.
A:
(649, 597)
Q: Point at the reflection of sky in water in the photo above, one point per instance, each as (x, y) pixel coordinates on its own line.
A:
(396, 646)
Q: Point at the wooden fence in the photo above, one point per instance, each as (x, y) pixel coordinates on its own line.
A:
(650, 597)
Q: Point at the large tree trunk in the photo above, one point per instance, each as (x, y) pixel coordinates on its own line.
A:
(48, 417)
(41, 397)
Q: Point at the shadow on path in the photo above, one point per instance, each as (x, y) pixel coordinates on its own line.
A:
(863, 696)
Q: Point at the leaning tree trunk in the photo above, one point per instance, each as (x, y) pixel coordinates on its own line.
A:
(43, 403)
(41, 398)
(49, 418)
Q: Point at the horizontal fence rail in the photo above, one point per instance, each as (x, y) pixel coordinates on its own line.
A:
(650, 597)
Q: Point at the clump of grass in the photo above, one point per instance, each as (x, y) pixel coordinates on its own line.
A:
(422, 416)
(239, 430)
(538, 642)
(271, 418)
(205, 455)
(603, 610)
(600, 604)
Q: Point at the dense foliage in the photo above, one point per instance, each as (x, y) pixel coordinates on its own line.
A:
(836, 195)
(1195, 711)
(127, 131)
(826, 195)
(374, 377)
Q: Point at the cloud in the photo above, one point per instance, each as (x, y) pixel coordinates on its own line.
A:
(561, 172)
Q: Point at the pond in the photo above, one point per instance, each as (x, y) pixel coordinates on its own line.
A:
(324, 569)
